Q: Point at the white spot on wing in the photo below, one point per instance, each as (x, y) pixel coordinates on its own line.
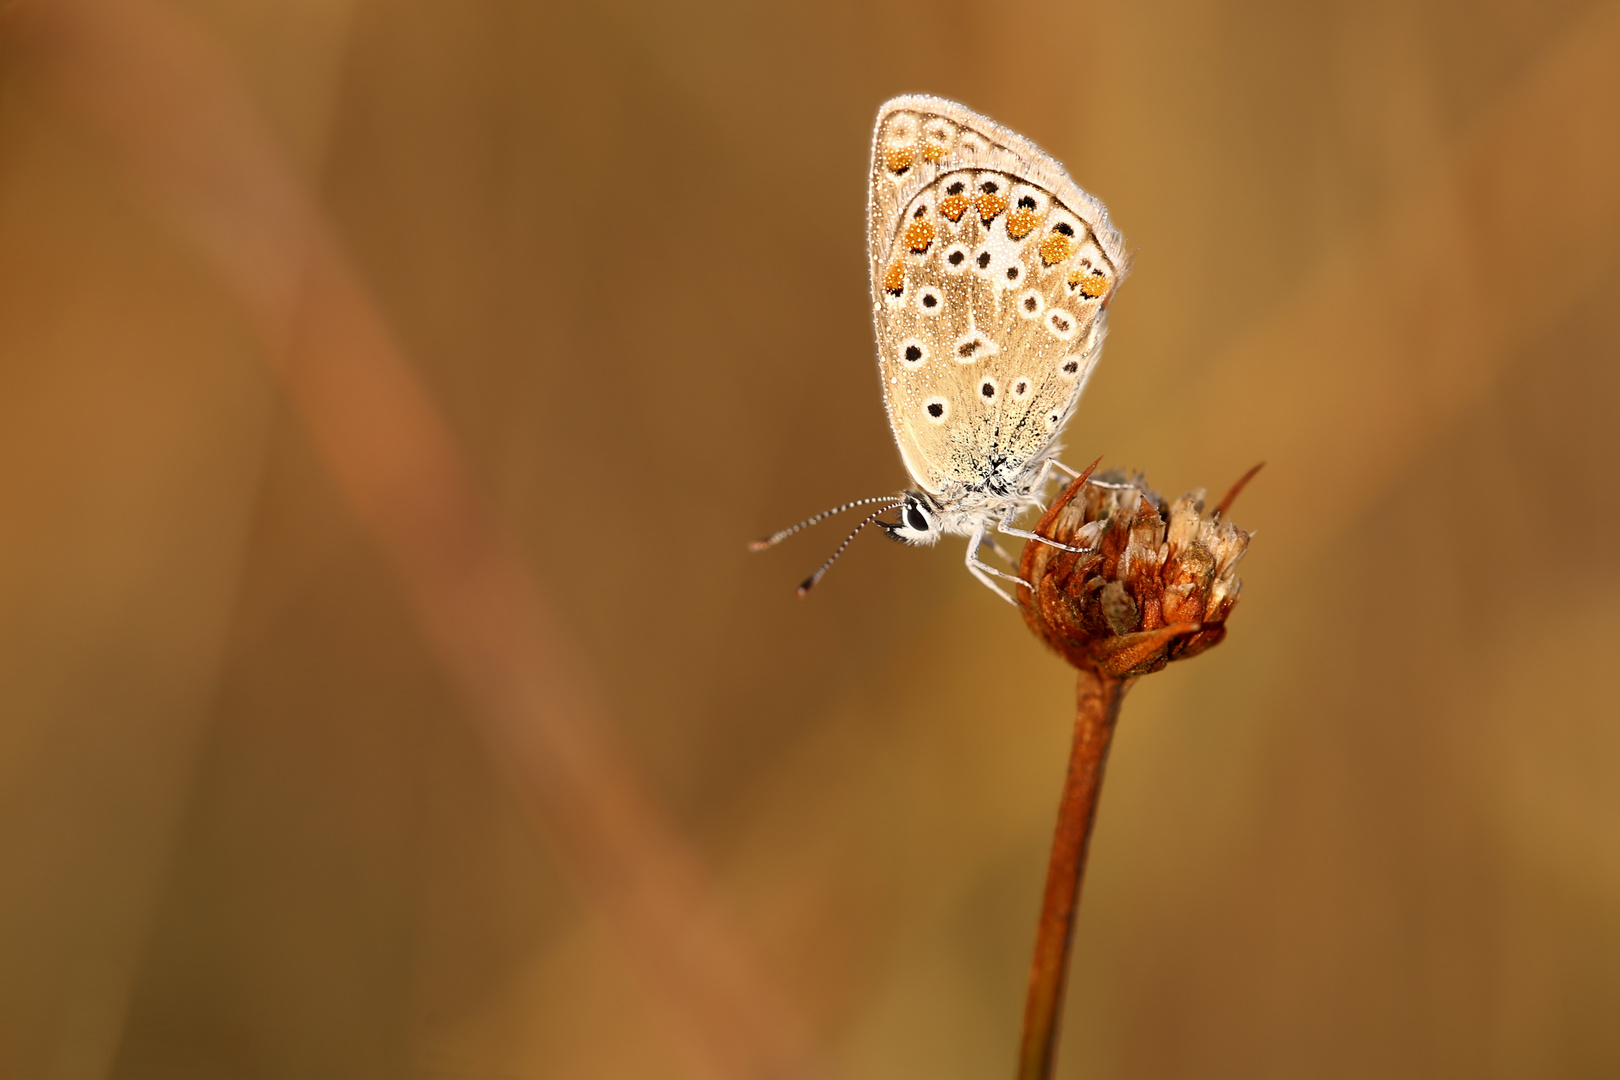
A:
(1020, 192)
(973, 346)
(972, 143)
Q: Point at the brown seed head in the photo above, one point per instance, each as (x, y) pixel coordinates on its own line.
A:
(1156, 582)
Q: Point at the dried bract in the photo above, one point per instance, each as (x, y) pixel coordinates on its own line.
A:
(1155, 583)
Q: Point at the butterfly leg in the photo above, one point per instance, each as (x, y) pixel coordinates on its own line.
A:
(1046, 472)
(1005, 526)
(1041, 479)
(990, 542)
(1054, 463)
(1045, 475)
(983, 570)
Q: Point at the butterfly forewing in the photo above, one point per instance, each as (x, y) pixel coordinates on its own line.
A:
(991, 272)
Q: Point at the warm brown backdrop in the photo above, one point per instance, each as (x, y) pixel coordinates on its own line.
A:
(248, 827)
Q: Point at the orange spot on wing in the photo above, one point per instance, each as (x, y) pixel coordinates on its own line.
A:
(899, 158)
(919, 234)
(954, 206)
(1092, 285)
(989, 206)
(1056, 248)
(934, 151)
(1020, 223)
(894, 278)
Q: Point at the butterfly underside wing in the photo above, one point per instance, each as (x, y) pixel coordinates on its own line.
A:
(991, 275)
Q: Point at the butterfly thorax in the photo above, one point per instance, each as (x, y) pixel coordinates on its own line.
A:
(962, 509)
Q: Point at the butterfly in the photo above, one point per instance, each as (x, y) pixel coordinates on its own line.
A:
(991, 276)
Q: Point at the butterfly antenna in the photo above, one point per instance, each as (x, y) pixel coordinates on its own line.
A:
(809, 582)
(777, 537)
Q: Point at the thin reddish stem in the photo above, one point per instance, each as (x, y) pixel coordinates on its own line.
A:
(1097, 701)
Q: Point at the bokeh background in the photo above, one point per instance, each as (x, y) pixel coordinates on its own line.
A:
(254, 821)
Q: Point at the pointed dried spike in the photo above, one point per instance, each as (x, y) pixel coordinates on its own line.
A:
(1063, 500)
(1237, 489)
(1034, 551)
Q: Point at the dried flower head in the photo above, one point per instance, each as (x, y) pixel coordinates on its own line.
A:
(1155, 583)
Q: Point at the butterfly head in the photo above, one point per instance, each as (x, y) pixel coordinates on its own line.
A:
(919, 520)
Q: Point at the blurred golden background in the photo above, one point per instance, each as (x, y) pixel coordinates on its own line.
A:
(285, 790)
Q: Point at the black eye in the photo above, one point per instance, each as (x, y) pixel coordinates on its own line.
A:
(1064, 227)
(1026, 203)
(930, 300)
(956, 258)
(936, 410)
(920, 211)
(914, 518)
(988, 389)
(1071, 367)
(989, 187)
(913, 353)
(956, 188)
(1012, 273)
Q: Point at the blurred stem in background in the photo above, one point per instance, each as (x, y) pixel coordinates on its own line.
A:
(183, 125)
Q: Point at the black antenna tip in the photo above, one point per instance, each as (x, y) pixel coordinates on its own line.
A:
(805, 585)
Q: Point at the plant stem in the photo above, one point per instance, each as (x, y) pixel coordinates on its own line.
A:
(1097, 701)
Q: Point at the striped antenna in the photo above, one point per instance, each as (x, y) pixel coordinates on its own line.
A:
(776, 538)
(809, 583)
